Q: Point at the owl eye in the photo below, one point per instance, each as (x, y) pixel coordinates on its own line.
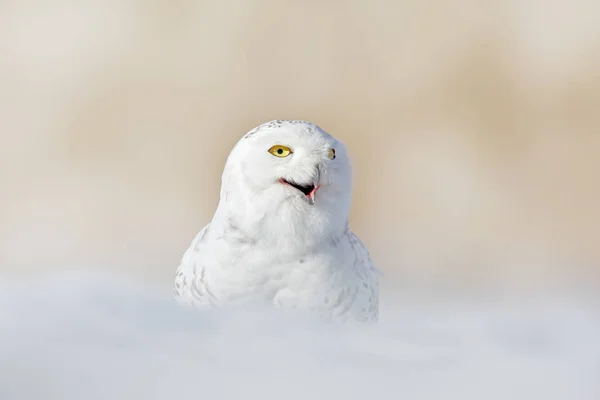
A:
(280, 151)
(331, 154)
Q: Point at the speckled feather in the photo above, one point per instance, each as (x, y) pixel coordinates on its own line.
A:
(267, 245)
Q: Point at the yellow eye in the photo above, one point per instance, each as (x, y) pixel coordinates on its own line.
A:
(280, 151)
(331, 154)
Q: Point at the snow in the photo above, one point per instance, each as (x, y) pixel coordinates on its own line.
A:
(92, 336)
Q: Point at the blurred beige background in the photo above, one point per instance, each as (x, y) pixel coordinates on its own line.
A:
(474, 129)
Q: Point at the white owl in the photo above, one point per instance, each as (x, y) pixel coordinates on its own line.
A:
(280, 235)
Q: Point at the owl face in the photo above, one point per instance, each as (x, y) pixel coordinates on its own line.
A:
(288, 180)
(297, 161)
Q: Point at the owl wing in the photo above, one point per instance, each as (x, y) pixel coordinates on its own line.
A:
(189, 285)
(365, 307)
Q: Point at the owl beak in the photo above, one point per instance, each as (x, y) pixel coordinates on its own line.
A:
(316, 186)
(308, 191)
(311, 195)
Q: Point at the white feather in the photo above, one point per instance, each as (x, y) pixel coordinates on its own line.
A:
(268, 243)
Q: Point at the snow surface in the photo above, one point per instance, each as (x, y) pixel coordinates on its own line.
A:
(92, 337)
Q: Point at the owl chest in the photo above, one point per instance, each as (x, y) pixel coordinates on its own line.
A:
(293, 280)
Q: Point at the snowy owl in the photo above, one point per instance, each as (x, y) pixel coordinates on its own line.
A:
(280, 234)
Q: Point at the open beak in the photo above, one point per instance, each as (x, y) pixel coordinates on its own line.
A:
(308, 191)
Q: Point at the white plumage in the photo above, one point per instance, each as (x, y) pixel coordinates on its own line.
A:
(280, 235)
